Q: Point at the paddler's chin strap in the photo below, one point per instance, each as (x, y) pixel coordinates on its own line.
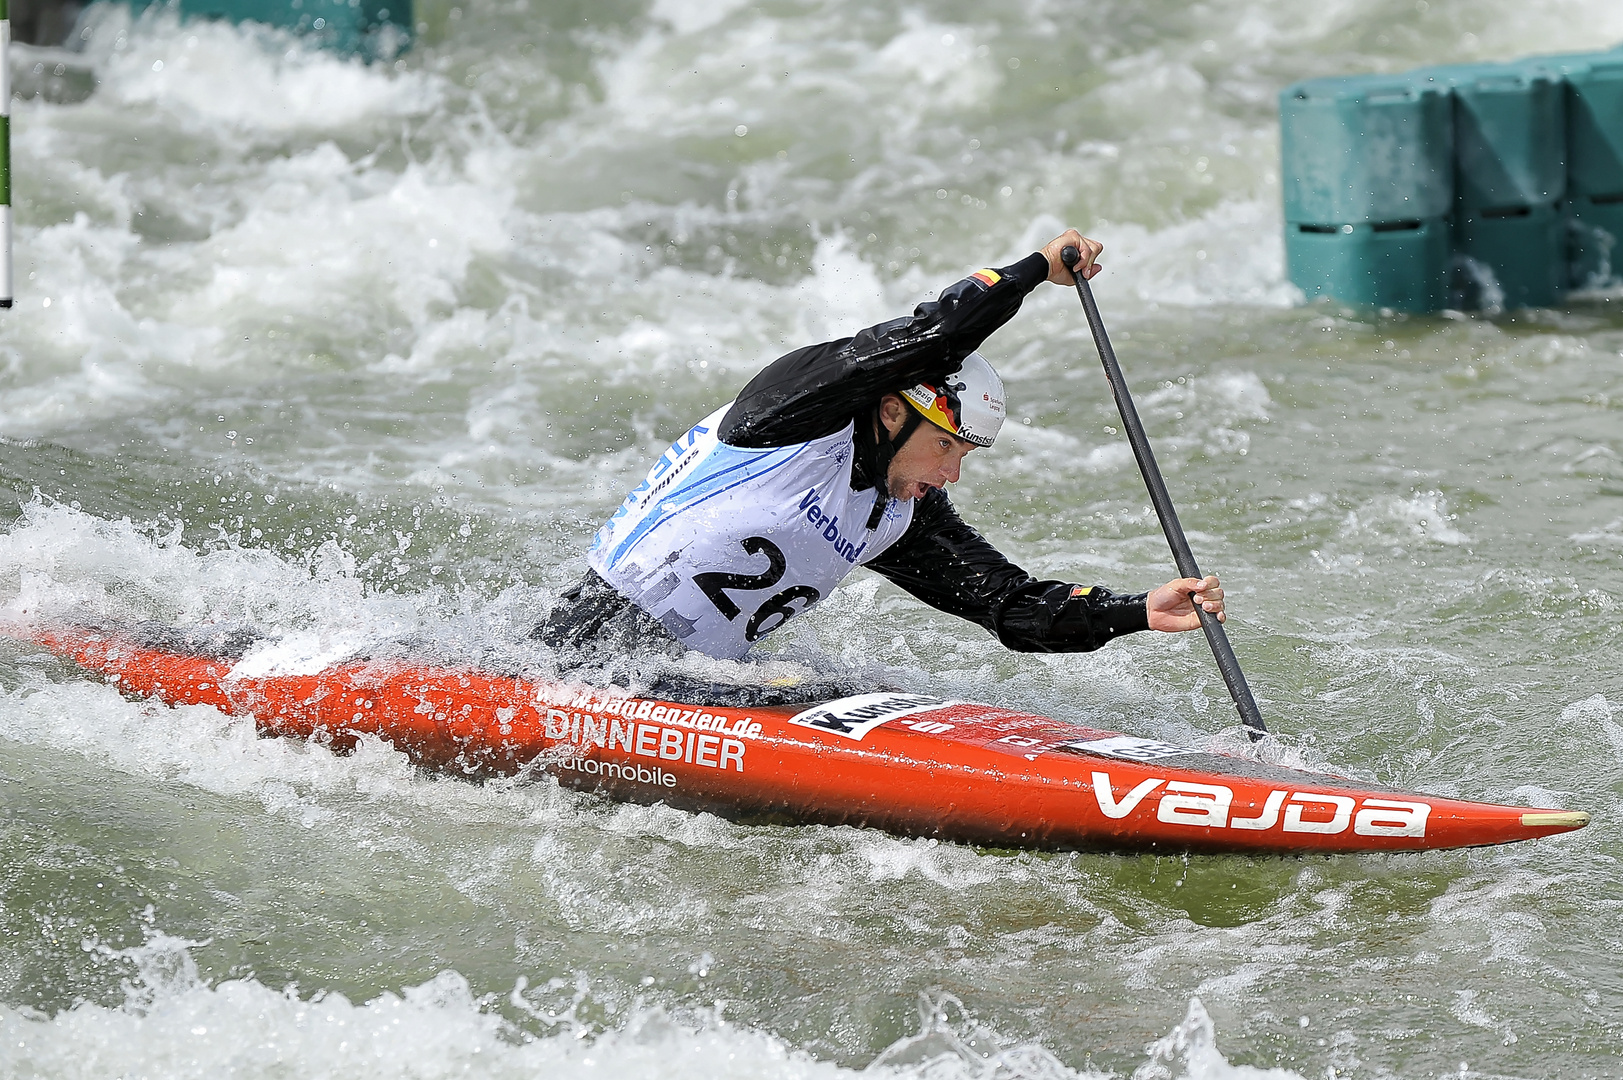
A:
(876, 448)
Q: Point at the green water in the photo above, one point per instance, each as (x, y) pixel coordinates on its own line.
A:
(367, 354)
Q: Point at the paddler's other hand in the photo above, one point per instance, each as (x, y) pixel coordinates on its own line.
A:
(1088, 249)
(1171, 608)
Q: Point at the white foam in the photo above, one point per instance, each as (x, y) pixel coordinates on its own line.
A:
(941, 58)
(86, 355)
(1611, 533)
(890, 860)
(693, 16)
(1224, 396)
(842, 295)
(175, 1024)
(448, 251)
(210, 76)
(1470, 1010)
(70, 565)
(1231, 254)
(1190, 1050)
(1045, 452)
(1592, 712)
(318, 229)
(1423, 516)
(300, 653)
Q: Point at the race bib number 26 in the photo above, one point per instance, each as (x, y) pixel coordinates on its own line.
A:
(775, 611)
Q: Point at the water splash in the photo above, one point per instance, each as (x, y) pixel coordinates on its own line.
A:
(175, 1022)
(1189, 1052)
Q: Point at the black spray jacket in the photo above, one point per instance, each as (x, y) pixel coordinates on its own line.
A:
(815, 391)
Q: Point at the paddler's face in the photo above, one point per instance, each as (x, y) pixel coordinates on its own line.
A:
(930, 458)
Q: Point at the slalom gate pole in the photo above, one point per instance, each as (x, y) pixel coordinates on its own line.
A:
(1227, 663)
(5, 154)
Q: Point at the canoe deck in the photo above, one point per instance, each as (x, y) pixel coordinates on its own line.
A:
(901, 762)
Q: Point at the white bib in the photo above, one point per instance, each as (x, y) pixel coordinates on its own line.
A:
(723, 545)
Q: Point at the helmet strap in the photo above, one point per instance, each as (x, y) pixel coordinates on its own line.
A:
(884, 454)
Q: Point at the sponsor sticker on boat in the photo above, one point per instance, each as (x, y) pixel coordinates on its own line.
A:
(1220, 806)
(854, 717)
(1129, 748)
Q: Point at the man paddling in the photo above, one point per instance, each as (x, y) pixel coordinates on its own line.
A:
(835, 456)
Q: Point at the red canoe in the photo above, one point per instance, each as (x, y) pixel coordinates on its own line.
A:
(901, 762)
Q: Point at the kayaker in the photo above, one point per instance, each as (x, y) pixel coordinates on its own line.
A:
(836, 456)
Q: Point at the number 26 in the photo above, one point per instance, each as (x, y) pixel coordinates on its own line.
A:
(713, 584)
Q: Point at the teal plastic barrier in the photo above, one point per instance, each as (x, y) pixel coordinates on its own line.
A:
(1593, 226)
(1502, 181)
(1510, 257)
(1593, 207)
(1365, 148)
(1368, 184)
(1594, 105)
(375, 29)
(1510, 140)
(1400, 265)
(1510, 168)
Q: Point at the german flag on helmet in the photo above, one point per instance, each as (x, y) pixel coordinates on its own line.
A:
(968, 403)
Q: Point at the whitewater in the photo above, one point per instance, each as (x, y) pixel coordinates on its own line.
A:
(361, 356)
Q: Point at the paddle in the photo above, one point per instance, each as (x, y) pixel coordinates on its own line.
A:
(1250, 715)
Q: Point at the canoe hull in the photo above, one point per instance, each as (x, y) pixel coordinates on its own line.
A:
(904, 763)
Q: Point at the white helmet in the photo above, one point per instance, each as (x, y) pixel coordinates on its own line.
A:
(968, 404)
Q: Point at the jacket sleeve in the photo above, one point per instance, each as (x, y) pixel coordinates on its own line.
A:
(947, 564)
(815, 391)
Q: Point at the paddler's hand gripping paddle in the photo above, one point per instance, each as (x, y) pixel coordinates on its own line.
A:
(1250, 715)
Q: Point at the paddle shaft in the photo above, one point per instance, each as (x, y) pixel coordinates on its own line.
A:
(1227, 663)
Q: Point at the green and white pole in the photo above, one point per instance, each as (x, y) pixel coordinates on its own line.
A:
(5, 154)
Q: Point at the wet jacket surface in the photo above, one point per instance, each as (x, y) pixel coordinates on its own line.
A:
(816, 391)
